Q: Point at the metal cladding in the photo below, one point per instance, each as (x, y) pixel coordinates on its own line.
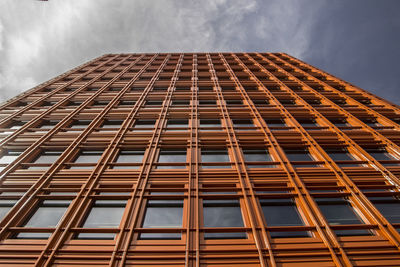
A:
(199, 159)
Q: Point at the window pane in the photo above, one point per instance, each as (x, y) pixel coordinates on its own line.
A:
(48, 157)
(103, 214)
(47, 215)
(243, 123)
(390, 208)
(5, 206)
(214, 156)
(210, 123)
(87, 157)
(163, 214)
(256, 155)
(172, 156)
(144, 124)
(222, 213)
(129, 156)
(298, 155)
(338, 211)
(9, 157)
(282, 212)
(112, 124)
(379, 154)
(339, 154)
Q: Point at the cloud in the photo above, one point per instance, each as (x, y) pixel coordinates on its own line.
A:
(39, 40)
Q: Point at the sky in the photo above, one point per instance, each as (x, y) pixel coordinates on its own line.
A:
(357, 40)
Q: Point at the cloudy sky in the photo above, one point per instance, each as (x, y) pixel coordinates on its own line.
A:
(356, 40)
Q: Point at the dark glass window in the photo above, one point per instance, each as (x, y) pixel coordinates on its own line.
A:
(127, 103)
(103, 214)
(234, 102)
(389, 207)
(275, 122)
(180, 103)
(243, 123)
(339, 122)
(380, 154)
(257, 155)
(222, 213)
(47, 157)
(47, 215)
(87, 156)
(338, 154)
(48, 124)
(5, 206)
(163, 214)
(172, 156)
(153, 103)
(261, 102)
(210, 123)
(338, 211)
(144, 124)
(81, 124)
(282, 212)
(308, 122)
(172, 123)
(129, 156)
(287, 101)
(217, 155)
(112, 124)
(207, 102)
(300, 154)
(9, 156)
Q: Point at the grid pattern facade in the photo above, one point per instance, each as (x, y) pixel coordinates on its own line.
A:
(205, 159)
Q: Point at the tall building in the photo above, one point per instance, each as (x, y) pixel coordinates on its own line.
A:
(220, 159)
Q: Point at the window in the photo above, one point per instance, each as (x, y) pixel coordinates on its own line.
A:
(308, 122)
(207, 102)
(163, 214)
(103, 214)
(128, 103)
(389, 207)
(210, 123)
(261, 102)
(6, 205)
(257, 155)
(338, 211)
(144, 124)
(339, 154)
(129, 156)
(46, 157)
(300, 154)
(243, 123)
(213, 156)
(234, 102)
(172, 156)
(47, 215)
(222, 213)
(112, 124)
(9, 157)
(47, 125)
(178, 103)
(172, 123)
(282, 212)
(381, 154)
(87, 157)
(81, 124)
(287, 101)
(275, 122)
(153, 103)
(339, 122)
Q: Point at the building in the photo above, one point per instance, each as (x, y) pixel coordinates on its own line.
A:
(221, 159)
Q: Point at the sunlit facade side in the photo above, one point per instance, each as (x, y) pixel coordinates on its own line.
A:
(199, 159)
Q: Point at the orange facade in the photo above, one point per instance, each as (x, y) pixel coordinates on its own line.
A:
(217, 159)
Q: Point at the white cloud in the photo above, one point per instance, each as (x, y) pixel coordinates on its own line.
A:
(40, 40)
